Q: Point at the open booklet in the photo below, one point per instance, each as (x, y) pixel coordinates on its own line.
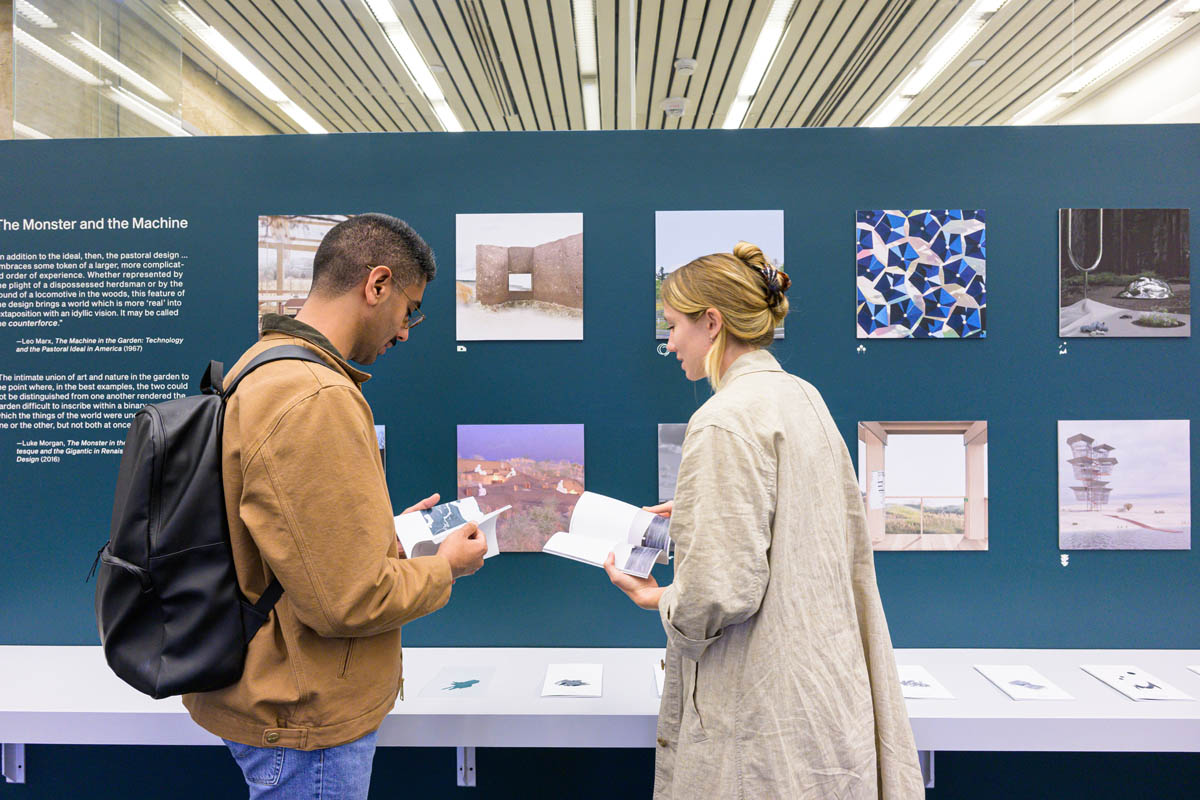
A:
(420, 532)
(601, 525)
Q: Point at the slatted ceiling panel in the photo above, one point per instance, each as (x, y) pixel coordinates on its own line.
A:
(564, 37)
(1002, 41)
(647, 39)
(415, 111)
(798, 72)
(424, 29)
(885, 21)
(332, 41)
(620, 25)
(277, 59)
(664, 64)
(546, 47)
(466, 28)
(1042, 61)
(889, 63)
(742, 45)
(832, 48)
(710, 32)
(501, 30)
(606, 58)
(726, 48)
(522, 33)
(297, 28)
(1053, 61)
(513, 64)
(689, 33)
(771, 95)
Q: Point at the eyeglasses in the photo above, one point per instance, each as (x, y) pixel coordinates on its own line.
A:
(415, 315)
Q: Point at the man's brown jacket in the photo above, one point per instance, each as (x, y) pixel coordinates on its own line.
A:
(308, 503)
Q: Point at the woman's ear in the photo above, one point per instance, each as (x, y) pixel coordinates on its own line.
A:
(713, 322)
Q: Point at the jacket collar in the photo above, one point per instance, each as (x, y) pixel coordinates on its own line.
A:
(754, 361)
(289, 326)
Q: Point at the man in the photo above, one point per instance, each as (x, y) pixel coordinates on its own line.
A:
(308, 504)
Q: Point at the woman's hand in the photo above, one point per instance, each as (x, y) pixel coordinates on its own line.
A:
(645, 592)
(662, 509)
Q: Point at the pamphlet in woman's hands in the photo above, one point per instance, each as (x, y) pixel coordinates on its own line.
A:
(420, 532)
(601, 525)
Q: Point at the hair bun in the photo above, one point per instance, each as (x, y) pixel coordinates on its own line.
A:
(776, 280)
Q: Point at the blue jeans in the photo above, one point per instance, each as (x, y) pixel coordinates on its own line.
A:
(280, 773)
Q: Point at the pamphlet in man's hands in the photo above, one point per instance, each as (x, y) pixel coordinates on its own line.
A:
(601, 525)
(420, 532)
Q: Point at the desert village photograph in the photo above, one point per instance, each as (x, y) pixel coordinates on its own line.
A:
(537, 469)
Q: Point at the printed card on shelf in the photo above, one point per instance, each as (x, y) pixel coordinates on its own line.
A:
(917, 683)
(1021, 682)
(460, 681)
(1134, 683)
(659, 665)
(573, 680)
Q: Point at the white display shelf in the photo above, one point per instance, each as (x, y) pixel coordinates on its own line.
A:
(68, 695)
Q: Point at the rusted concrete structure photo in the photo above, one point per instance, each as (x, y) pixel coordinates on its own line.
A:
(556, 270)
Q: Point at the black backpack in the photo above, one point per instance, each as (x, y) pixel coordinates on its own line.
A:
(172, 618)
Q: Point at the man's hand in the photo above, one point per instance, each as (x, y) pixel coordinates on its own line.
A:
(645, 592)
(464, 547)
(424, 505)
(662, 509)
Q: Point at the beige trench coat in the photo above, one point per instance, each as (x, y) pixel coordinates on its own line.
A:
(781, 681)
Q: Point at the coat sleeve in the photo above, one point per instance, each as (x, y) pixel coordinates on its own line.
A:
(721, 523)
(316, 504)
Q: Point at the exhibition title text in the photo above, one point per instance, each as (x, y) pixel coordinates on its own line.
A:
(98, 224)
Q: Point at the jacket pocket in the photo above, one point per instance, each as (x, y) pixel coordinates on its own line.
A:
(698, 734)
(348, 658)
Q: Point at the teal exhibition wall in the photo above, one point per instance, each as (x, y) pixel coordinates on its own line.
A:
(1016, 594)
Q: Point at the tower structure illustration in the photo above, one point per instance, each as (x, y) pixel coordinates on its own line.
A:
(1092, 463)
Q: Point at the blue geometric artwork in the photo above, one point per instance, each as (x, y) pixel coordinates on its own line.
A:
(921, 274)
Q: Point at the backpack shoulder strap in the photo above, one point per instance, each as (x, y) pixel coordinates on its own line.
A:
(286, 351)
(280, 353)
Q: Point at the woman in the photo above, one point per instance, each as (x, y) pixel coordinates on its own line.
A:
(781, 681)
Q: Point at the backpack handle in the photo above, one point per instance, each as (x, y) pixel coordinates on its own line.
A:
(213, 378)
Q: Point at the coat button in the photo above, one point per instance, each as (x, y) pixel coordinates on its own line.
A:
(272, 737)
(662, 742)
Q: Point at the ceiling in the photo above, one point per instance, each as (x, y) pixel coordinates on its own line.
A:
(514, 65)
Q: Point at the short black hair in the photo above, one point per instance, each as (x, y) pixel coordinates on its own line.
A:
(370, 240)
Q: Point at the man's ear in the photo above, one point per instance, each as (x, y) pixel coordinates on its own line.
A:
(377, 284)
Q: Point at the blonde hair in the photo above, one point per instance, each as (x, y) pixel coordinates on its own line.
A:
(743, 286)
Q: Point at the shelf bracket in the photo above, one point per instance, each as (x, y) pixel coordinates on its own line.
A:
(12, 762)
(466, 766)
(925, 757)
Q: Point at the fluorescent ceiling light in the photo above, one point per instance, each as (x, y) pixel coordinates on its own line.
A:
(414, 62)
(147, 111)
(26, 132)
(113, 65)
(53, 57)
(585, 47)
(939, 57)
(234, 58)
(34, 15)
(1131, 45)
(760, 60)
